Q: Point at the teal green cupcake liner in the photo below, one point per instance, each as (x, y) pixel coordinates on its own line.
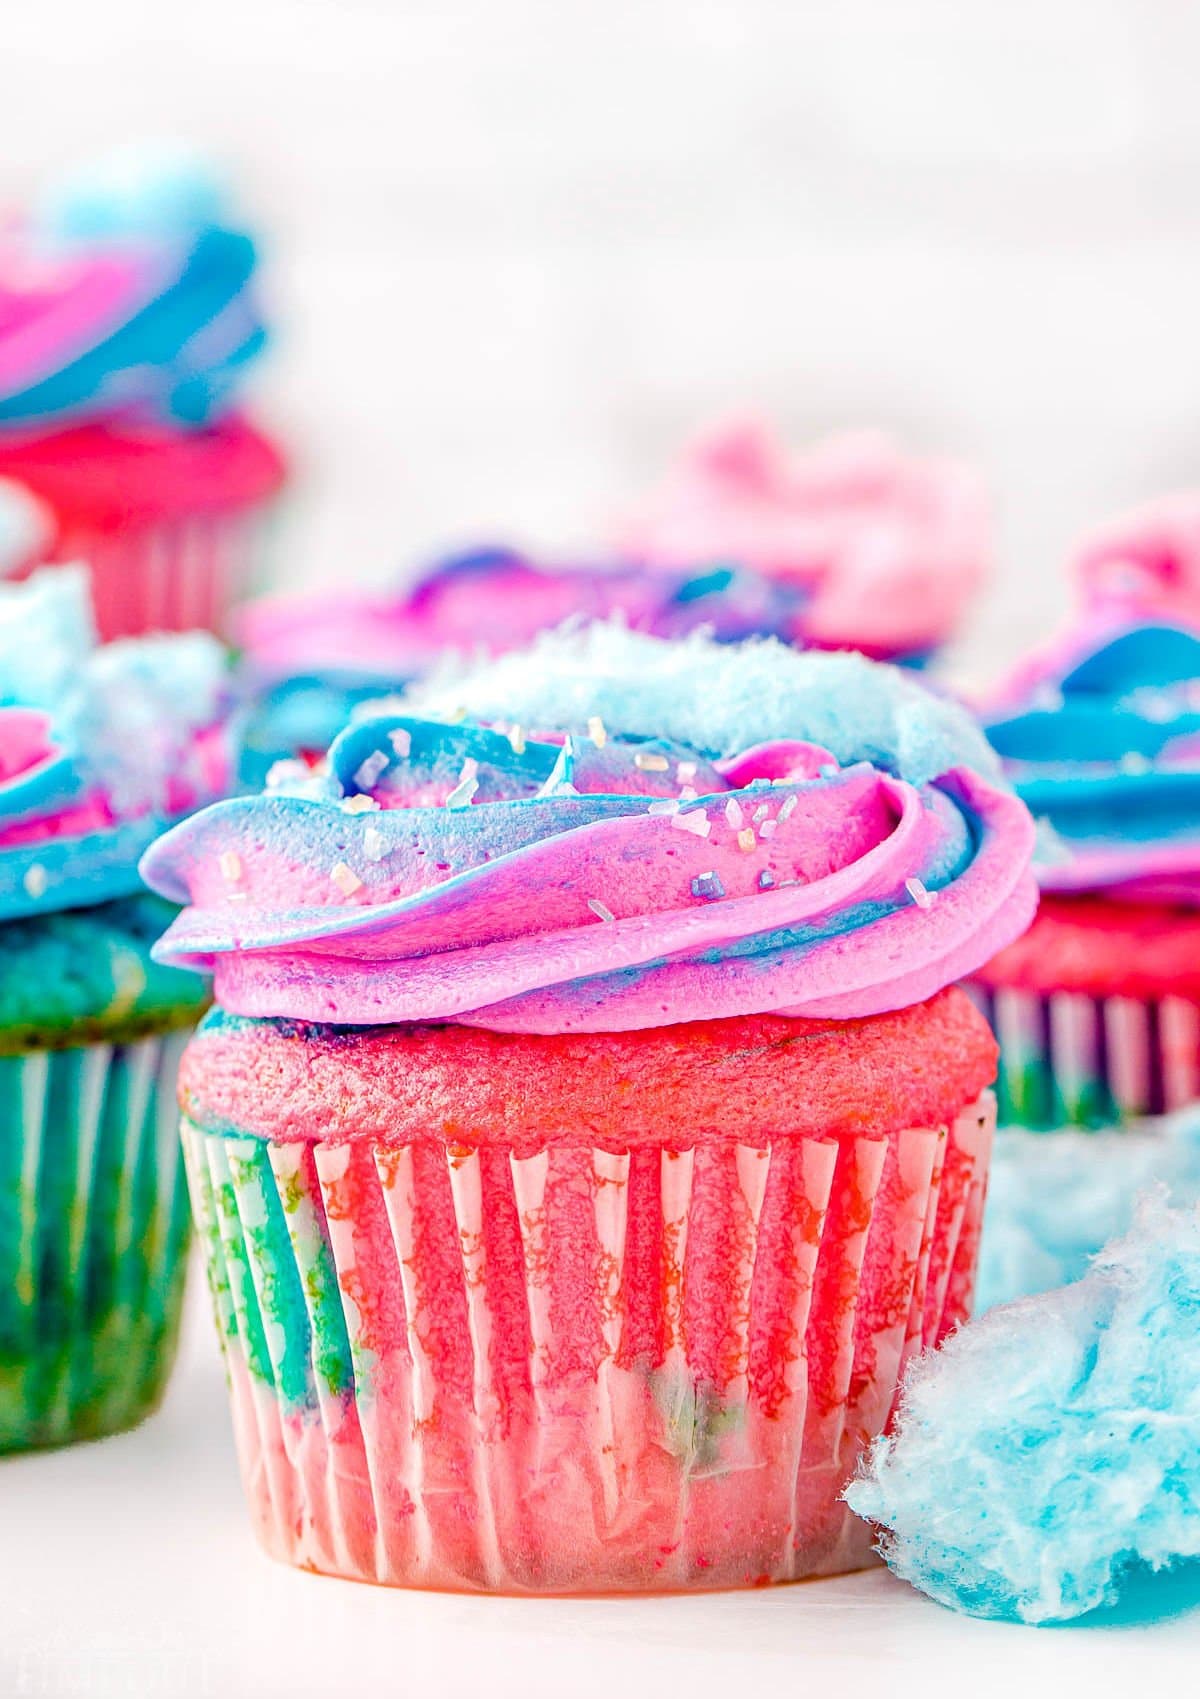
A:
(93, 1238)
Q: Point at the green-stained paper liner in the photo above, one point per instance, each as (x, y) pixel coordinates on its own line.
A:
(93, 1235)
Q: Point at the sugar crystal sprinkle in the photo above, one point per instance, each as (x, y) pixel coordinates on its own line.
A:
(366, 775)
(766, 879)
(230, 864)
(918, 893)
(516, 736)
(685, 770)
(35, 881)
(760, 813)
(663, 805)
(697, 822)
(600, 910)
(646, 761)
(359, 804)
(688, 793)
(464, 790)
(788, 807)
(733, 813)
(372, 844)
(401, 741)
(345, 878)
(597, 732)
(768, 828)
(746, 839)
(708, 885)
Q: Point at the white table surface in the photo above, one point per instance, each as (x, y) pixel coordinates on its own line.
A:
(127, 1568)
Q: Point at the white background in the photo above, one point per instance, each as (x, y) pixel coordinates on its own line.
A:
(517, 248)
(521, 246)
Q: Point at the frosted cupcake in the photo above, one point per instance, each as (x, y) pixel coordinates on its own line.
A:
(1097, 1007)
(312, 659)
(100, 748)
(128, 321)
(584, 1138)
(886, 551)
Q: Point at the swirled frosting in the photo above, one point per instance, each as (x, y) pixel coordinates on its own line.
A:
(1145, 563)
(126, 292)
(100, 747)
(888, 549)
(702, 831)
(1100, 734)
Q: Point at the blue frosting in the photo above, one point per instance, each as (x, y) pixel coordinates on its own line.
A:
(1109, 754)
(119, 722)
(188, 336)
(1047, 1450)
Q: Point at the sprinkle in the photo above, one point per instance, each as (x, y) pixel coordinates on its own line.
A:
(469, 769)
(460, 796)
(760, 813)
(745, 839)
(401, 741)
(768, 828)
(345, 878)
(688, 793)
(597, 732)
(367, 775)
(564, 787)
(707, 885)
(663, 805)
(372, 844)
(36, 879)
(231, 866)
(828, 770)
(1133, 763)
(600, 910)
(647, 762)
(790, 805)
(698, 823)
(287, 772)
(516, 737)
(733, 812)
(766, 879)
(359, 804)
(918, 893)
(685, 770)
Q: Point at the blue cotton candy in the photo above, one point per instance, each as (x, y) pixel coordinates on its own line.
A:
(1050, 1446)
(1055, 1199)
(711, 697)
(143, 191)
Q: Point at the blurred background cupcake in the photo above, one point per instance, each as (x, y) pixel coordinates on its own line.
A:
(1097, 1007)
(585, 1137)
(129, 322)
(100, 748)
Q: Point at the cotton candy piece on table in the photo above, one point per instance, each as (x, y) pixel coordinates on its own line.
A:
(1055, 1199)
(1049, 1447)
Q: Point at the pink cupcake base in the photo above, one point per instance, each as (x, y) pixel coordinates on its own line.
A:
(578, 1370)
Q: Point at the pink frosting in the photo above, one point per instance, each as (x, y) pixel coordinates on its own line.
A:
(892, 548)
(1146, 561)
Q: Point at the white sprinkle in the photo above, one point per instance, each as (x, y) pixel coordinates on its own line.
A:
(372, 844)
(768, 828)
(366, 775)
(790, 805)
(1133, 763)
(745, 839)
(596, 731)
(685, 770)
(401, 741)
(565, 788)
(516, 737)
(359, 804)
(689, 793)
(287, 772)
(918, 893)
(460, 796)
(35, 881)
(231, 866)
(469, 769)
(698, 823)
(733, 812)
(760, 813)
(345, 878)
(600, 910)
(663, 805)
(647, 762)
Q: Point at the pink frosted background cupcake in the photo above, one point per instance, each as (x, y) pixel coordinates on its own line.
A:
(585, 1138)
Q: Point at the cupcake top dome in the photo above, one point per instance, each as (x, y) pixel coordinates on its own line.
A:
(609, 832)
(888, 549)
(127, 291)
(100, 747)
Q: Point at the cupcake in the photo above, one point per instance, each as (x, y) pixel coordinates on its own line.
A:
(1097, 1007)
(128, 322)
(887, 551)
(585, 1137)
(100, 748)
(312, 659)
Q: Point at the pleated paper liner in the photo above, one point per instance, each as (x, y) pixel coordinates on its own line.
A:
(1068, 1059)
(582, 1370)
(93, 1233)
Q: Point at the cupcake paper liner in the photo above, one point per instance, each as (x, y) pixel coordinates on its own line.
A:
(93, 1230)
(574, 1369)
(1068, 1059)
